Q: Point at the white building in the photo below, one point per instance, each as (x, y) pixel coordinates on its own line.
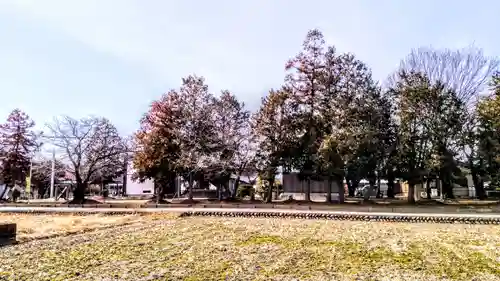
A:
(136, 188)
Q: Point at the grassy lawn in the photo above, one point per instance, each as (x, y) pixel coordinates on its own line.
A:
(164, 247)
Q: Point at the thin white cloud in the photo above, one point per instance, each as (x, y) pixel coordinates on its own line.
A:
(240, 45)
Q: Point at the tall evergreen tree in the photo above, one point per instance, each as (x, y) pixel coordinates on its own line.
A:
(331, 166)
(488, 133)
(430, 118)
(304, 78)
(272, 127)
(232, 129)
(195, 129)
(353, 110)
(17, 142)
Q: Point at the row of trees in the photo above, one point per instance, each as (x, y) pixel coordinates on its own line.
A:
(91, 150)
(192, 133)
(331, 120)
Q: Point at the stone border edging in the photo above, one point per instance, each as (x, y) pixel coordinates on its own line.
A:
(276, 206)
(352, 217)
(273, 213)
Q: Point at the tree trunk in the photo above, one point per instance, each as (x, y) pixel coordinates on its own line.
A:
(438, 186)
(236, 185)
(446, 187)
(352, 187)
(341, 190)
(411, 192)
(448, 190)
(160, 192)
(161, 188)
(350, 190)
(329, 191)
(480, 191)
(307, 195)
(225, 189)
(368, 193)
(190, 191)
(390, 186)
(123, 191)
(428, 188)
(219, 191)
(79, 193)
(379, 192)
(269, 197)
(478, 182)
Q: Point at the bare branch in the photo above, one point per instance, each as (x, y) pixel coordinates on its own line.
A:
(92, 145)
(466, 71)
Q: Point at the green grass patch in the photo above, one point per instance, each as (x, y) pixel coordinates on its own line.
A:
(256, 249)
(351, 257)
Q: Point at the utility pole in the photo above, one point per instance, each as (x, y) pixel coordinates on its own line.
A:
(52, 174)
(28, 184)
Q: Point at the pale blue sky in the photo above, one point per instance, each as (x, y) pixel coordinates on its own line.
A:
(113, 57)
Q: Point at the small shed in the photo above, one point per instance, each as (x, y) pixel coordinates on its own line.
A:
(295, 188)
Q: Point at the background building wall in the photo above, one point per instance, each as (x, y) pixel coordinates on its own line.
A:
(295, 188)
(136, 187)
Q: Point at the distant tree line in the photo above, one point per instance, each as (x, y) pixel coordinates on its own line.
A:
(437, 114)
(91, 150)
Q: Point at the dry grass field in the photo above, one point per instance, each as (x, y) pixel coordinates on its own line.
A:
(31, 227)
(167, 247)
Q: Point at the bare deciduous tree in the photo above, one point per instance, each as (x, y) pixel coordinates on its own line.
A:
(92, 147)
(465, 71)
(42, 171)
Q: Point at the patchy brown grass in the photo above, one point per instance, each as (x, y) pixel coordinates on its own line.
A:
(36, 226)
(163, 247)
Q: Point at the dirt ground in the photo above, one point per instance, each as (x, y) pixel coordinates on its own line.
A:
(30, 227)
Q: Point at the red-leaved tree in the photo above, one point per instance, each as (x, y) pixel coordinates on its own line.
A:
(156, 146)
